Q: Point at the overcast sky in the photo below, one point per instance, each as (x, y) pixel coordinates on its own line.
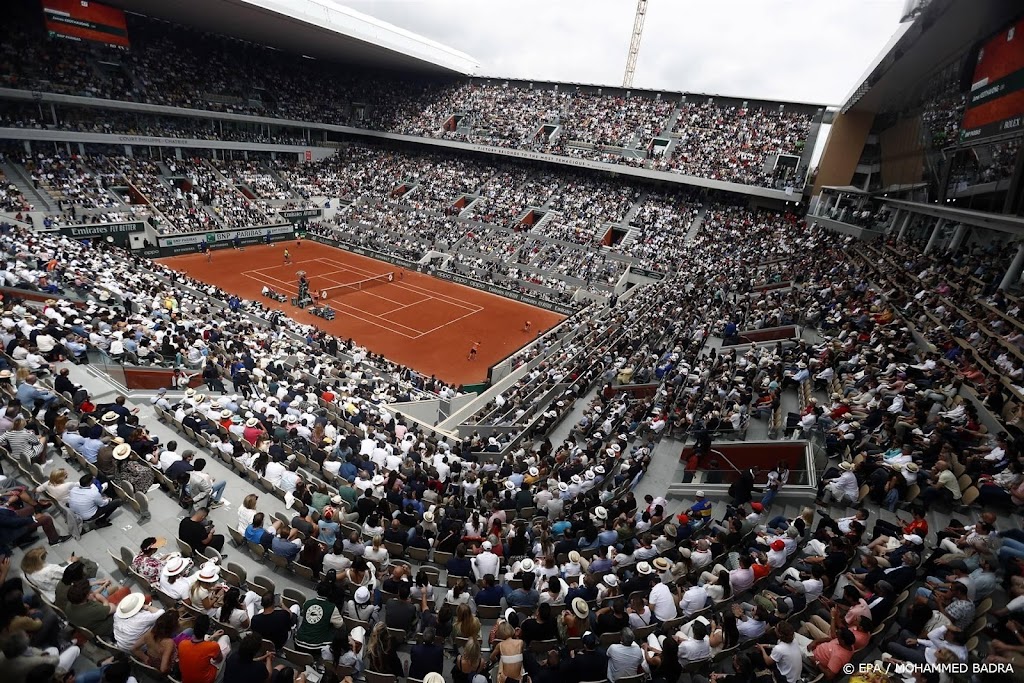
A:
(803, 50)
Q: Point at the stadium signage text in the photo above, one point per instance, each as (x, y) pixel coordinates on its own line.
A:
(300, 213)
(452, 277)
(226, 235)
(102, 229)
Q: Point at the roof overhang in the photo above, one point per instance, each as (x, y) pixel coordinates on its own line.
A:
(320, 29)
(938, 35)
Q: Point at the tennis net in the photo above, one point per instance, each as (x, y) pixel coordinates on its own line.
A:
(357, 286)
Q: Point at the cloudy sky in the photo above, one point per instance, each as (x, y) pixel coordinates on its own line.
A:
(803, 50)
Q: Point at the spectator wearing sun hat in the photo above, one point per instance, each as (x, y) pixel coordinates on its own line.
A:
(575, 566)
(642, 580)
(172, 582)
(132, 619)
(253, 431)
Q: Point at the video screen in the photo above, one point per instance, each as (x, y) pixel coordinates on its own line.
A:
(996, 102)
(84, 20)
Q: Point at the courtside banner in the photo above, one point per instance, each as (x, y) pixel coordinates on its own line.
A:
(101, 229)
(452, 277)
(249, 236)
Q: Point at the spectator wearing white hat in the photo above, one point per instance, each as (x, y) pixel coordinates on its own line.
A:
(132, 618)
(843, 489)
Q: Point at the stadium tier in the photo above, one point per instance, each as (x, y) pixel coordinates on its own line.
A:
(295, 404)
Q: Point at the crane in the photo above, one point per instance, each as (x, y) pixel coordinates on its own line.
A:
(634, 43)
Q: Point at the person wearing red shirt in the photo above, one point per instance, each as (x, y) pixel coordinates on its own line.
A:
(918, 525)
(253, 431)
(760, 570)
(198, 657)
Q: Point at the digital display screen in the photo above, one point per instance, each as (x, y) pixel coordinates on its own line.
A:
(996, 102)
(84, 20)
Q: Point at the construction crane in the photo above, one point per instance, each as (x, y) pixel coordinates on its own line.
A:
(634, 43)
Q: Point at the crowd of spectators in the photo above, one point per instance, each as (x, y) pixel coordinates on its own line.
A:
(255, 176)
(587, 556)
(733, 143)
(88, 120)
(661, 223)
(72, 182)
(718, 141)
(583, 206)
(614, 121)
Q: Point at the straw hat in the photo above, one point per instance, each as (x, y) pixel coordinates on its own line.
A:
(109, 417)
(661, 564)
(644, 568)
(209, 573)
(610, 580)
(122, 452)
(580, 608)
(526, 565)
(176, 566)
(846, 466)
(251, 422)
(130, 605)
(574, 556)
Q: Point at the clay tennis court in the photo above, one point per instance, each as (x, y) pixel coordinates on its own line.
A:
(420, 321)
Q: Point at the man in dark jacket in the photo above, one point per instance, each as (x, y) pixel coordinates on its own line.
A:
(427, 657)
(743, 487)
(588, 664)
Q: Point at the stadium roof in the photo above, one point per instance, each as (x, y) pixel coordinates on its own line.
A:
(321, 29)
(938, 33)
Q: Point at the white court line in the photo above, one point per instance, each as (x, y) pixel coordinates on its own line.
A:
(429, 295)
(454, 301)
(452, 322)
(343, 269)
(336, 305)
(365, 291)
(402, 308)
(410, 288)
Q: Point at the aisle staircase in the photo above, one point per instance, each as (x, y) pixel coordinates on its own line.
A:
(19, 177)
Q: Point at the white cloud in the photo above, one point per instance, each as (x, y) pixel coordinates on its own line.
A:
(803, 50)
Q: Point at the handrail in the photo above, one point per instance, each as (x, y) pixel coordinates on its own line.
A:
(722, 456)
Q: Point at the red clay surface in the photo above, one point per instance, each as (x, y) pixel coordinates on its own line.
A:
(419, 321)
